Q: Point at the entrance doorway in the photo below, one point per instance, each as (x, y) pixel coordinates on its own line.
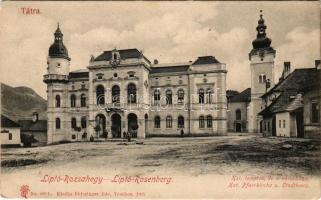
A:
(261, 126)
(238, 127)
(299, 123)
(146, 123)
(116, 126)
(274, 126)
(100, 125)
(132, 125)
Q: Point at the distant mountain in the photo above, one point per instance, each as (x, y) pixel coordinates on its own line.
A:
(20, 102)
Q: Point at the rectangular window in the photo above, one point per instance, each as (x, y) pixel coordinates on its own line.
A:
(10, 136)
(315, 113)
(280, 124)
(73, 137)
(283, 123)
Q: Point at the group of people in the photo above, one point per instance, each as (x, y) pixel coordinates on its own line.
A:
(126, 135)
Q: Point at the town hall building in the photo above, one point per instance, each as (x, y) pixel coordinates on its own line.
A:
(122, 91)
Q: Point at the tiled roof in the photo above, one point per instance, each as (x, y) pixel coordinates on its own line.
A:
(29, 125)
(289, 88)
(169, 69)
(297, 80)
(206, 60)
(295, 104)
(8, 123)
(232, 93)
(279, 104)
(124, 54)
(244, 96)
(81, 73)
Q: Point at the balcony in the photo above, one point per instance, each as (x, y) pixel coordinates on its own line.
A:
(48, 78)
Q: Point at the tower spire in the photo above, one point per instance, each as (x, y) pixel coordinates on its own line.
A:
(261, 40)
(58, 49)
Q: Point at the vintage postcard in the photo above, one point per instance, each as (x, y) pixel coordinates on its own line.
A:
(158, 100)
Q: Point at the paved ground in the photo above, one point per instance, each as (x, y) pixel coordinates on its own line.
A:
(233, 154)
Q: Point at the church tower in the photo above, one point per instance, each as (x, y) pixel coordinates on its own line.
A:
(262, 73)
(56, 79)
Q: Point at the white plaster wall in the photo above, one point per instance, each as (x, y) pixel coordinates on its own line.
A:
(281, 131)
(15, 136)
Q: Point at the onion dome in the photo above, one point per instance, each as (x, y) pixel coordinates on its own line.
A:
(261, 40)
(58, 49)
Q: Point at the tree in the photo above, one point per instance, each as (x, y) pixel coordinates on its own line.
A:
(27, 139)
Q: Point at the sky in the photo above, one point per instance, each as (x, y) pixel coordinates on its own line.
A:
(167, 31)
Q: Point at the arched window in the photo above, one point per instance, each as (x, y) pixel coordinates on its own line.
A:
(157, 122)
(238, 114)
(131, 93)
(169, 122)
(156, 96)
(73, 123)
(262, 78)
(73, 100)
(10, 136)
(115, 93)
(180, 96)
(209, 95)
(201, 122)
(209, 121)
(180, 122)
(83, 100)
(100, 95)
(57, 123)
(168, 96)
(83, 122)
(201, 95)
(57, 101)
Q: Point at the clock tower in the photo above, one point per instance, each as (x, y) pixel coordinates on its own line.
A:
(56, 79)
(261, 59)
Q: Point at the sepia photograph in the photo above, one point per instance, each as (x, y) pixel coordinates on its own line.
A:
(160, 99)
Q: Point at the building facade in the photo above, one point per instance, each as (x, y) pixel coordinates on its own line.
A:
(122, 91)
(292, 105)
(238, 110)
(10, 133)
(311, 105)
(36, 128)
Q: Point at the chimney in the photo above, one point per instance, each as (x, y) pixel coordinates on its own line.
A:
(35, 117)
(286, 69)
(155, 61)
(317, 64)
